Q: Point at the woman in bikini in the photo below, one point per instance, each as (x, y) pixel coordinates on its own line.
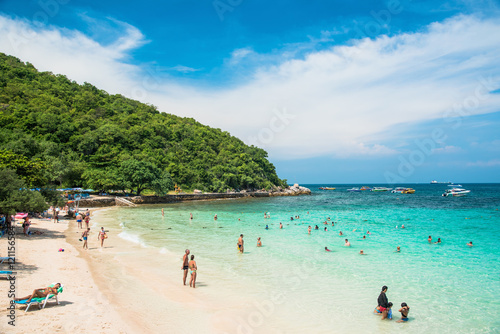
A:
(193, 268)
(42, 292)
(102, 235)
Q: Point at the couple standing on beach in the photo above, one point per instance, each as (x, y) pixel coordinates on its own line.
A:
(189, 265)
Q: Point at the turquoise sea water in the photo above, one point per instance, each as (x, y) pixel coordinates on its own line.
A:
(291, 285)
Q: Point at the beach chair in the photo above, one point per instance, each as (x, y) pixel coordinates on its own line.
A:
(8, 258)
(41, 302)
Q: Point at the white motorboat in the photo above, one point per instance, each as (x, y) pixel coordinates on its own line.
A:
(455, 192)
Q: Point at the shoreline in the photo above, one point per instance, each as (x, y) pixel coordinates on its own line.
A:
(83, 307)
(110, 200)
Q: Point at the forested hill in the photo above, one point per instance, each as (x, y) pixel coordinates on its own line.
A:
(55, 131)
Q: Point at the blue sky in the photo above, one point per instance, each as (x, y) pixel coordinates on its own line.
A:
(368, 91)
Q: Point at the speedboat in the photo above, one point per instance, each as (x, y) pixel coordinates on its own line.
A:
(398, 190)
(354, 189)
(380, 189)
(454, 185)
(455, 192)
(326, 188)
(365, 188)
(409, 191)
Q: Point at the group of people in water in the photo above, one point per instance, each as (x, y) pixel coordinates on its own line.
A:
(384, 307)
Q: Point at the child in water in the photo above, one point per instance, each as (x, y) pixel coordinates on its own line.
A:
(405, 309)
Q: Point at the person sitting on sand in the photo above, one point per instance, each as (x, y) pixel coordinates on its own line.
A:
(470, 244)
(405, 309)
(193, 268)
(41, 293)
(259, 243)
(347, 243)
(326, 248)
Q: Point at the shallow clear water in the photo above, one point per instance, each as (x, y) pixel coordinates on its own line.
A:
(291, 285)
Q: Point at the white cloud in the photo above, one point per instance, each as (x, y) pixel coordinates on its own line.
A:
(344, 100)
(447, 149)
(490, 163)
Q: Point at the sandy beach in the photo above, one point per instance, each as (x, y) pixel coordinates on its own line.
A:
(83, 308)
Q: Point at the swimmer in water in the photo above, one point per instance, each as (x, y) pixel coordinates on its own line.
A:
(439, 241)
(429, 239)
(364, 237)
(368, 232)
(326, 249)
(470, 244)
(398, 249)
(405, 309)
(316, 227)
(361, 252)
(326, 229)
(403, 226)
(347, 243)
(281, 226)
(259, 243)
(340, 233)
(309, 229)
(333, 224)
(267, 227)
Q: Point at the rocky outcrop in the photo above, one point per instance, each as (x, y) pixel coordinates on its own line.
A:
(295, 190)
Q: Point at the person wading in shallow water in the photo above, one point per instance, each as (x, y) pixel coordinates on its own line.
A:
(185, 265)
(240, 243)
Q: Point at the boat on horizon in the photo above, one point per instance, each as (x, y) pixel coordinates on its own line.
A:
(379, 189)
(455, 192)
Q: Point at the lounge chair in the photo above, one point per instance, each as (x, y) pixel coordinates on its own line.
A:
(41, 302)
(8, 258)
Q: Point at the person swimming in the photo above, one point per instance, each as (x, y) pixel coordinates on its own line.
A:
(309, 229)
(340, 233)
(316, 227)
(439, 241)
(364, 237)
(267, 227)
(470, 244)
(398, 249)
(326, 229)
(347, 243)
(429, 239)
(326, 248)
(361, 252)
(259, 243)
(404, 310)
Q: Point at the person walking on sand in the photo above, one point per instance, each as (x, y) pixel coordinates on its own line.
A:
(240, 243)
(87, 221)
(101, 236)
(185, 265)
(193, 267)
(79, 220)
(85, 236)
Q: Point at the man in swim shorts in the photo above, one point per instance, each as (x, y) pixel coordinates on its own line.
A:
(79, 220)
(185, 265)
(85, 235)
(240, 243)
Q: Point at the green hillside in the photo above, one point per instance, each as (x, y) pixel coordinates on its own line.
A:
(55, 131)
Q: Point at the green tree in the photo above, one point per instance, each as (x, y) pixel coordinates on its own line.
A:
(14, 197)
(140, 175)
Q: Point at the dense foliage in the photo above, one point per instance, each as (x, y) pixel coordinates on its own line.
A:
(56, 131)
